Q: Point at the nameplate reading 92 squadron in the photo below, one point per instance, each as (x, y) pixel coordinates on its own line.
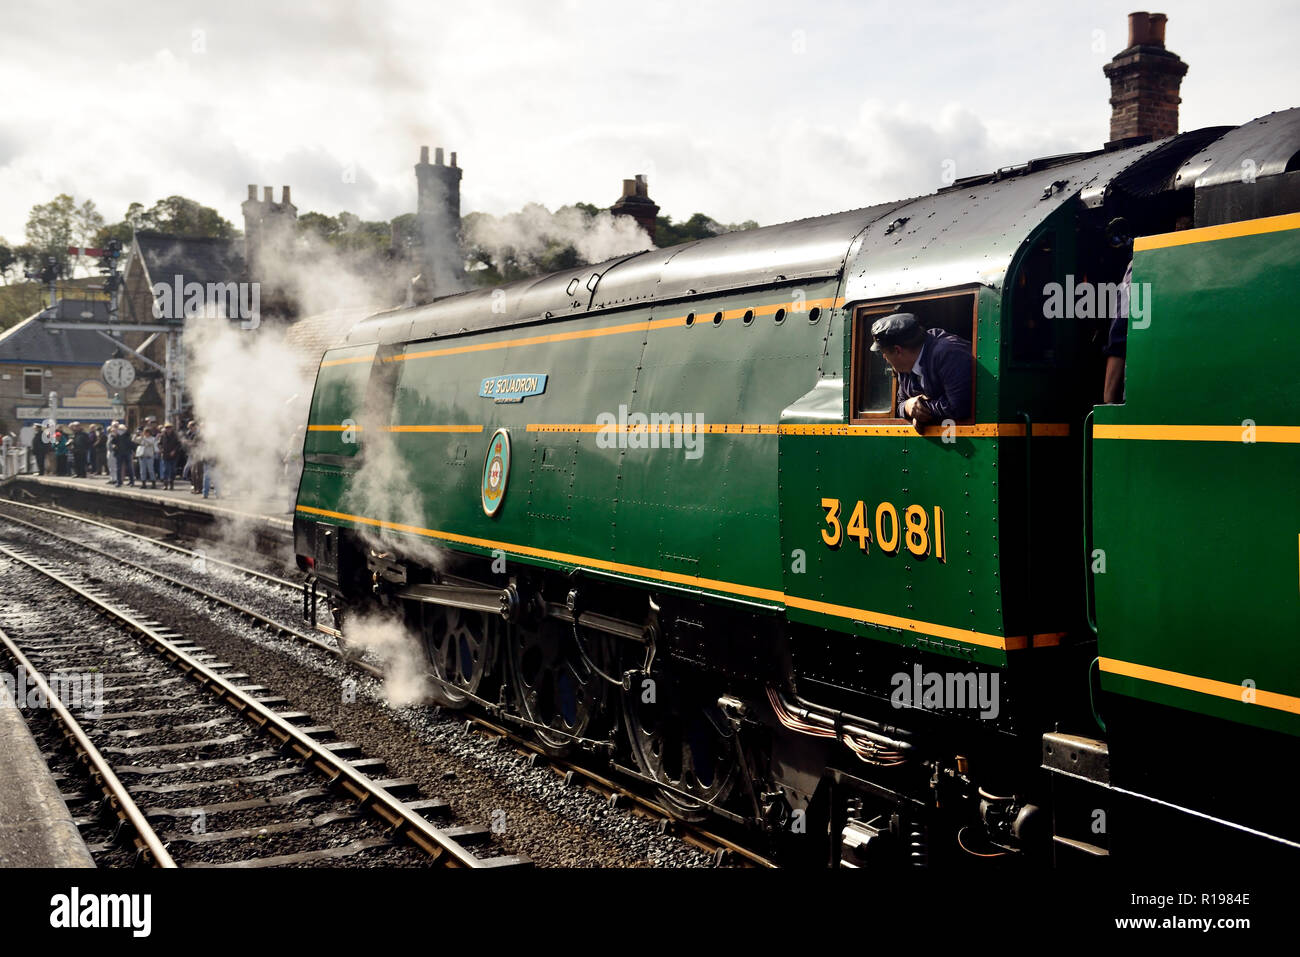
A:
(922, 537)
(512, 387)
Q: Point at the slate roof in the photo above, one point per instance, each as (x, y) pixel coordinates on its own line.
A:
(310, 336)
(197, 258)
(31, 343)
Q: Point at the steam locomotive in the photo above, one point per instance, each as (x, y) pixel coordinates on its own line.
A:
(661, 509)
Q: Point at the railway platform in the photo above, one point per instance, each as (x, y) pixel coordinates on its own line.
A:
(36, 828)
(266, 525)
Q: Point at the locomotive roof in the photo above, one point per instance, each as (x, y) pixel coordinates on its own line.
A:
(963, 234)
(970, 234)
(1263, 147)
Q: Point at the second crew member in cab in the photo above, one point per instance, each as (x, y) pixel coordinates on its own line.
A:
(933, 368)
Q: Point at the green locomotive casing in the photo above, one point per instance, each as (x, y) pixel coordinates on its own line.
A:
(743, 521)
(700, 434)
(1196, 528)
(1195, 492)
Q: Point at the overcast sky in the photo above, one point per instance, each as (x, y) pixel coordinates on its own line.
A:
(750, 110)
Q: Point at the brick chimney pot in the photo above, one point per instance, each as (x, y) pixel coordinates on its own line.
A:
(1144, 82)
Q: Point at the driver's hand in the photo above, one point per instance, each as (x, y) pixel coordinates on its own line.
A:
(914, 410)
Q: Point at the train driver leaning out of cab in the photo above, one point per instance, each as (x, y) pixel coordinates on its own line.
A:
(933, 368)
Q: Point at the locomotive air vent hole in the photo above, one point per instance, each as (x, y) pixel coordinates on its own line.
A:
(814, 314)
(690, 319)
(749, 317)
(780, 316)
(717, 318)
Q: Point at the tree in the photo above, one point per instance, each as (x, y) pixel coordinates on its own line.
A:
(19, 300)
(360, 236)
(407, 227)
(699, 226)
(185, 217)
(7, 261)
(29, 257)
(318, 226)
(119, 231)
(175, 216)
(54, 226)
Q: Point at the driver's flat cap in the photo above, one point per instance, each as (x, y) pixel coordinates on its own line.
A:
(899, 329)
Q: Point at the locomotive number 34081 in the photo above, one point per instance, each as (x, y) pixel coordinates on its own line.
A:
(915, 531)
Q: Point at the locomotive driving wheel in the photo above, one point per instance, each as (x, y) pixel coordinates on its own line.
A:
(556, 672)
(461, 646)
(680, 738)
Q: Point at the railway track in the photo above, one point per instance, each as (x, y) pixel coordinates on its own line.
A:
(618, 793)
(250, 573)
(201, 769)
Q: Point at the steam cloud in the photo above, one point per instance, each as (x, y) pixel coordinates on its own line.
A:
(530, 233)
(318, 277)
(405, 681)
(382, 489)
(251, 388)
(250, 396)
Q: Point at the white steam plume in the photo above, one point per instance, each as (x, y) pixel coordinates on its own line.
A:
(405, 680)
(316, 276)
(526, 236)
(383, 489)
(250, 396)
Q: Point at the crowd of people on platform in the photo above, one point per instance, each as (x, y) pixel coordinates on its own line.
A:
(152, 454)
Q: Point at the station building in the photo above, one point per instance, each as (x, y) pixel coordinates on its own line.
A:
(36, 361)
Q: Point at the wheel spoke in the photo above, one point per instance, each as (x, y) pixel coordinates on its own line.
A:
(677, 742)
(460, 652)
(553, 686)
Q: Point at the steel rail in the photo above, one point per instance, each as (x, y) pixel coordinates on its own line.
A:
(119, 798)
(274, 579)
(693, 834)
(442, 847)
(269, 623)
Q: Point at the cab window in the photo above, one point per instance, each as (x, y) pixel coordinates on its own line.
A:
(874, 387)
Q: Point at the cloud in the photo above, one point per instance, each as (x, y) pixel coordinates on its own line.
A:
(8, 146)
(757, 110)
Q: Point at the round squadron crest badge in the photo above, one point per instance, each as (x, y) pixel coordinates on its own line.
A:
(496, 471)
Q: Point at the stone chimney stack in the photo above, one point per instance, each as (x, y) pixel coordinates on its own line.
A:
(280, 223)
(437, 214)
(636, 202)
(269, 232)
(1144, 81)
(252, 209)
